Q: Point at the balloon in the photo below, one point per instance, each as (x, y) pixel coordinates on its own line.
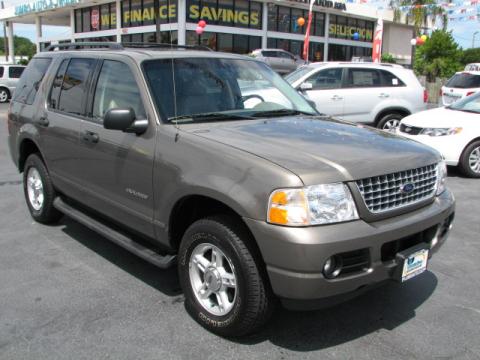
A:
(420, 41)
(413, 42)
(424, 38)
(202, 23)
(356, 36)
(301, 21)
(199, 30)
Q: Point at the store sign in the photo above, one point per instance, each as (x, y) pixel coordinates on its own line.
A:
(95, 19)
(337, 5)
(147, 14)
(42, 5)
(224, 14)
(348, 31)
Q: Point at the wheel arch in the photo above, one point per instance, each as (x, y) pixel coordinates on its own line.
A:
(391, 110)
(26, 147)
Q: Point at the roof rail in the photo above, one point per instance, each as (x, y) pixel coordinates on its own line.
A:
(83, 45)
(151, 45)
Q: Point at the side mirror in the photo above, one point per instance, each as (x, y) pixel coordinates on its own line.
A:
(123, 119)
(305, 86)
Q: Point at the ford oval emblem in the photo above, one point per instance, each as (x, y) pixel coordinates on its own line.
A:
(407, 188)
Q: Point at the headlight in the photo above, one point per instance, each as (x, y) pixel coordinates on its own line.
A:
(312, 205)
(441, 131)
(441, 176)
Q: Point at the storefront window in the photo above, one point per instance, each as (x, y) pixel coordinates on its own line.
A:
(296, 48)
(272, 17)
(319, 24)
(237, 13)
(283, 19)
(294, 27)
(78, 21)
(166, 37)
(345, 28)
(86, 20)
(240, 44)
(345, 52)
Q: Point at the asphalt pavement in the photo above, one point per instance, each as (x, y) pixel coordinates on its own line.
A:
(68, 293)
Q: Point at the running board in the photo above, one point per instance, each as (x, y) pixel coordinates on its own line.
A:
(147, 254)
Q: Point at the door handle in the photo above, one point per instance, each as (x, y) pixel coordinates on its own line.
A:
(43, 121)
(90, 136)
(383, 95)
(336, 98)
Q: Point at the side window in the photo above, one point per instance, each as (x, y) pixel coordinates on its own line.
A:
(57, 84)
(30, 80)
(114, 91)
(363, 78)
(2, 71)
(285, 55)
(390, 80)
(270, 53)
(14, 72)
(73, 89)
(326, 79)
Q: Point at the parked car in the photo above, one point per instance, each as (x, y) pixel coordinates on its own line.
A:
(254, 202)
(9, 75)
(460, 85)
(453, 130)
(378, 94)
(279, 60)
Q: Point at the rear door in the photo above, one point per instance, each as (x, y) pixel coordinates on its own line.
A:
(117, 167)
(362, 91)
(62, 120)
(327, 92)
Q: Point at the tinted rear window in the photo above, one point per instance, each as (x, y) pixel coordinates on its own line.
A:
(2, 70)
(14, 72)
(72, 93)
(271, 53)
(464, 81)
(30, 80)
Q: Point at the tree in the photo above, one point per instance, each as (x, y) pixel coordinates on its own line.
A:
(22, 46)
(469, 56)
(438, 57)
(419, 12)
(388, 58)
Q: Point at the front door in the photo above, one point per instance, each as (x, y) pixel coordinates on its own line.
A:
(118, 166)
(327, 92)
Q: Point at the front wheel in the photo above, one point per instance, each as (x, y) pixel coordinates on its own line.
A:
(470, 160)
(224, 285)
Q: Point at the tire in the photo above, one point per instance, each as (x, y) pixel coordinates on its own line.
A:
(39, 191)
(251, 301)
(470, 160)
(4, 95)
(390, 122)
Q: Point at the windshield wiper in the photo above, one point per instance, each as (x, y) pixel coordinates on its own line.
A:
(213, 116)
(281, 112)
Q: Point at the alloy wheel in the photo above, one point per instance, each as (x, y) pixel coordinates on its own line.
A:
(391, 125)
(35, 191)
(3, 96)
(212, 278)
(474, 160)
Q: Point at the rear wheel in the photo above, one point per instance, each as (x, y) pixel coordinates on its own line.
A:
(224, 285)
(390, 122)
(4, 95)
(470, 160)
(39, 191)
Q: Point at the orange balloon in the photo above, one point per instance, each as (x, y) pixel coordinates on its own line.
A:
(301, 21)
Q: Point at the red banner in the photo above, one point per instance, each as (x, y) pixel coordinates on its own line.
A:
(377, 42)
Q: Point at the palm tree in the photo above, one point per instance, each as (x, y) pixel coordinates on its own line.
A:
(419, 12)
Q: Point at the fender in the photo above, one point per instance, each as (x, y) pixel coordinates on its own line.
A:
(29, 132)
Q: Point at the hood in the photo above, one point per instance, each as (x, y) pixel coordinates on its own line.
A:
(440, 118)
(320, 150)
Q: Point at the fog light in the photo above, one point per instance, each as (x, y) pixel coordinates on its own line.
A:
(332, 267)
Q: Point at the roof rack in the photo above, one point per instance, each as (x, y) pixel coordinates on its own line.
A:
(83, 45)
(122, 46)
(150, 45)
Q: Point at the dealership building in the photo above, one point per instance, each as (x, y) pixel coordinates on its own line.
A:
(339, 30)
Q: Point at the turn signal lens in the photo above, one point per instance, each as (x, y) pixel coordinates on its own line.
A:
(288, 207)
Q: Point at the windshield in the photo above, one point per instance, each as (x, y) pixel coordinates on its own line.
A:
(191, 89)
(468, 104)
(464, 81)
(298, 74)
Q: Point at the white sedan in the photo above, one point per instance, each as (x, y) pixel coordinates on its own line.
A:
(453, 130)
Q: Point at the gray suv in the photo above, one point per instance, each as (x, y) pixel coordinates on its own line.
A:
(213, 162)
(9, 75)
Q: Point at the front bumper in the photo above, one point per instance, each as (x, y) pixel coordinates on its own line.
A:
(295, 256)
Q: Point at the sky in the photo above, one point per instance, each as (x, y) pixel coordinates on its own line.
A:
(461, 31)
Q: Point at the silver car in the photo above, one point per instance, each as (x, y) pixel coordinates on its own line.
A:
(279, 60)
(9, 75)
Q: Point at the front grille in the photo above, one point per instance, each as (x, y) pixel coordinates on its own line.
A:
(389, 192)
(410, 130)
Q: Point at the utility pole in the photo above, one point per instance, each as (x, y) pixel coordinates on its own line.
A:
(5, 40)
(473, 38)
